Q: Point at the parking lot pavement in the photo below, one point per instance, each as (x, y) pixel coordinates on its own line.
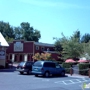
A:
(63, 80)
(72, 81)
(77, 75)
(15, 81)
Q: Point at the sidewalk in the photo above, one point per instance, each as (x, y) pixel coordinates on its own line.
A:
(15, 64)
(77, 76)
(11, 68)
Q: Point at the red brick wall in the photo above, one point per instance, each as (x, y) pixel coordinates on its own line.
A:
(27, 47)
(54, 56)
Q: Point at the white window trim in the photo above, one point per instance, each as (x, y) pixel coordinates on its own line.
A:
(42, 48)
(37, 47)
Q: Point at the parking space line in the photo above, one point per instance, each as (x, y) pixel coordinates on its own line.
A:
(84, 79)
(41, 79)
(67, 82)
(45, 79)
(60, 82)
(64, 82)
(71, 81)
(37, 78)
(78, 80)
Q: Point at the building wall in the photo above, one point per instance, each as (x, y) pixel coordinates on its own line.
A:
(41, 48)
(25, 53)
(27, 47)
(2, 56)
(54, 56)
(20, 50)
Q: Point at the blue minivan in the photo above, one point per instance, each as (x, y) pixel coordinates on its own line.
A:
(47, 68)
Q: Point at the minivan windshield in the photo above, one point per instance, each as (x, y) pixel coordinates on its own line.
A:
(38, 64)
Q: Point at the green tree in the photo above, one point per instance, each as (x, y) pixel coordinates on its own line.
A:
(24, 31)
(6, 30)
(71, 47)
(18, 33)
(29, 33)
(77, 35)
(85, 38)
(86, 51)
(58, 46)
(9, 39)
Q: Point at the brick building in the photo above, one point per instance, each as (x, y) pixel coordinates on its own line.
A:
(20, 50)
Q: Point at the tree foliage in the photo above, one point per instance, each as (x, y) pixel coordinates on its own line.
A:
(72, 49)
(71, 46)
(42, 56)
(24, 31)
(85, 38)
(37, 56)
(76, 35)
(29, 33)
(86, 51)
(7, 30)
(18, 33)
(58, 46)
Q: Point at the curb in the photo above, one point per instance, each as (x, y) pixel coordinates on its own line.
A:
(77, 76)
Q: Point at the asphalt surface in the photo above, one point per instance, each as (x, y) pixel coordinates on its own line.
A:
(12, 80)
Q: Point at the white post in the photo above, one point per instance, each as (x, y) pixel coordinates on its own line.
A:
(13, 57)
(25, 57)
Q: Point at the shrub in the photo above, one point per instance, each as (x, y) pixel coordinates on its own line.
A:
(82, 68)
(37, 56)
(67, 66)
(42, 56)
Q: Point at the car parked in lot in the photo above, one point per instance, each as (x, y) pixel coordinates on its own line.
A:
(47, 68)
(25, 66)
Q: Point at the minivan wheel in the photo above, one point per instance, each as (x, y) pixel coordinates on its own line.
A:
(21, 72)
(47, 74)
(63, 73)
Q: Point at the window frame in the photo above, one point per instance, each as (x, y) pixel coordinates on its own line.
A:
(37, 47)
(42, 48)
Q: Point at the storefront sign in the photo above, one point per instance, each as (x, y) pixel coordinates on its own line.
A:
(2, 55)
(18, 46)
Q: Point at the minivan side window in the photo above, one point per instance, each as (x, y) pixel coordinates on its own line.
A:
(28, 64)
(49, 65)
(46, 64)
(39, 64)
(52, 65)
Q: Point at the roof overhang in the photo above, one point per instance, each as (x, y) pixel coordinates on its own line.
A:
(3, 42)
(44, 44)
